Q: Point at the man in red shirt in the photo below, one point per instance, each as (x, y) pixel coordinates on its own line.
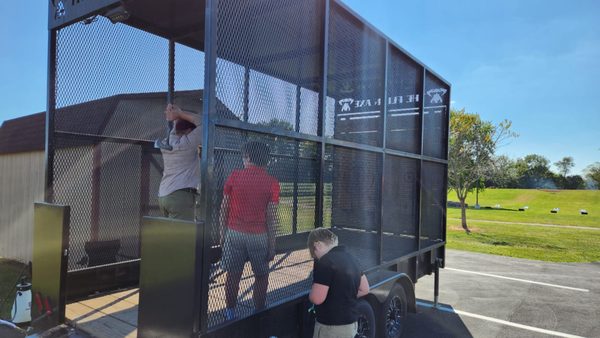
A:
(249, 216)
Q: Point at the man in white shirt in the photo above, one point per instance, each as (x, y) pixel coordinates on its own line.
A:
(181, 174)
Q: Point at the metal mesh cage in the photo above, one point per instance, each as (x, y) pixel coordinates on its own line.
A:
(405, 82)
(355, 80)
(436, 112)
(277, 140)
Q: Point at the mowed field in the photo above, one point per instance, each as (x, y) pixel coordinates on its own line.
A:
(568, 236)
(540, 202)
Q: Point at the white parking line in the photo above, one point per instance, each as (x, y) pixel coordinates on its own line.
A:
(499, 321)
(518, 280)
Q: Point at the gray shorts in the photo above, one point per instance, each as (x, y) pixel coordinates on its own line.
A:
(240, 247)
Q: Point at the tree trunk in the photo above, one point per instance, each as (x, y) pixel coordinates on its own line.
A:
(463, 214)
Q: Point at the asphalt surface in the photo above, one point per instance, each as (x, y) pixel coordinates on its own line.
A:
(494, 296)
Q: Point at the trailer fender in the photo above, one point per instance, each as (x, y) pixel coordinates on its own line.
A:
(409, 289)
(381, 292)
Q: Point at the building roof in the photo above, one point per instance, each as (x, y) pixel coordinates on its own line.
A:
(23, 134)
(137, 117)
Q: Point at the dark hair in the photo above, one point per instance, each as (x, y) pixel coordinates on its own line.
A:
(182, 125)
(257, 152)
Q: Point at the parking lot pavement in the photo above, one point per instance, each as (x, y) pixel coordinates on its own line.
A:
(494, 296)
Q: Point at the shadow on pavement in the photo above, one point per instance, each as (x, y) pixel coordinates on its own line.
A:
(430, 322)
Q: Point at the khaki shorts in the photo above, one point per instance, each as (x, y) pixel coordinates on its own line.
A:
(240, 247)
(335, 331)
(179, 204)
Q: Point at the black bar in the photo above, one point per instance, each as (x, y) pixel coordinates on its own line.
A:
(274, 131)
(386, 60)
(433, 159)
(436, 284)
(50, 113)
(246, 93)
(319, 215)
(442, 251)
(420, 169)
(207, 165)
(391, 263)
(171, 88)
(296, 164)
(145, 161)
(96, 191)
(103, 278)
(99, 138)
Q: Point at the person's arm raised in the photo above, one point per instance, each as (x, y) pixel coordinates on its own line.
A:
(174, 112)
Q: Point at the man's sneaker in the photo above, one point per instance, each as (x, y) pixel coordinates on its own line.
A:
(229, 314)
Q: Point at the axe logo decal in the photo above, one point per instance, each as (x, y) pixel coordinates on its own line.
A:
(345, 103)
(436, 94)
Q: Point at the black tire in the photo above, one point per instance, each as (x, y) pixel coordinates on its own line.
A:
(367, 326)
(393, 313)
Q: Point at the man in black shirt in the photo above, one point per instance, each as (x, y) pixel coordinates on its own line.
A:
(337, 283)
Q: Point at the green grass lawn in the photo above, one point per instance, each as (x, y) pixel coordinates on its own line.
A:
(9, 274)
(527, 241)
(540, 202)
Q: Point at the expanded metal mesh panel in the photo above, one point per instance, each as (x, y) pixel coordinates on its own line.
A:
(73, 174)
(436, 112)
(400, 206)
(405, 83)
(101, 60)
(356, 187)
(111, 83)
(267, 51)
(292, 170)
(432, 203)
(355, 79)
(188, 81)
(108, 188)
(354, 179)
(189, 68)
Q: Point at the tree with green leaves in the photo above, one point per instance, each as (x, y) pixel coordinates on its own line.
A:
(565, 165)
(503, 173)
(534, 172)
(472, 145)
(592, 173)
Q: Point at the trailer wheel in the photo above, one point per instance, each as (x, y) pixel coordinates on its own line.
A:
(366, 320)
(393, 313)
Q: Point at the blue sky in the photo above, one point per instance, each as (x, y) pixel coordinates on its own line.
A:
(534, 62)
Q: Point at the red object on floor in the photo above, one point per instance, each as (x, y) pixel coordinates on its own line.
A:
(38, 302)
(48, 308)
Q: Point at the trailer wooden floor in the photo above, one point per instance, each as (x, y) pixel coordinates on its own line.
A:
(115, 315)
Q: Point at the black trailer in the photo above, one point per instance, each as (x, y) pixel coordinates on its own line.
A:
(358, 132)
